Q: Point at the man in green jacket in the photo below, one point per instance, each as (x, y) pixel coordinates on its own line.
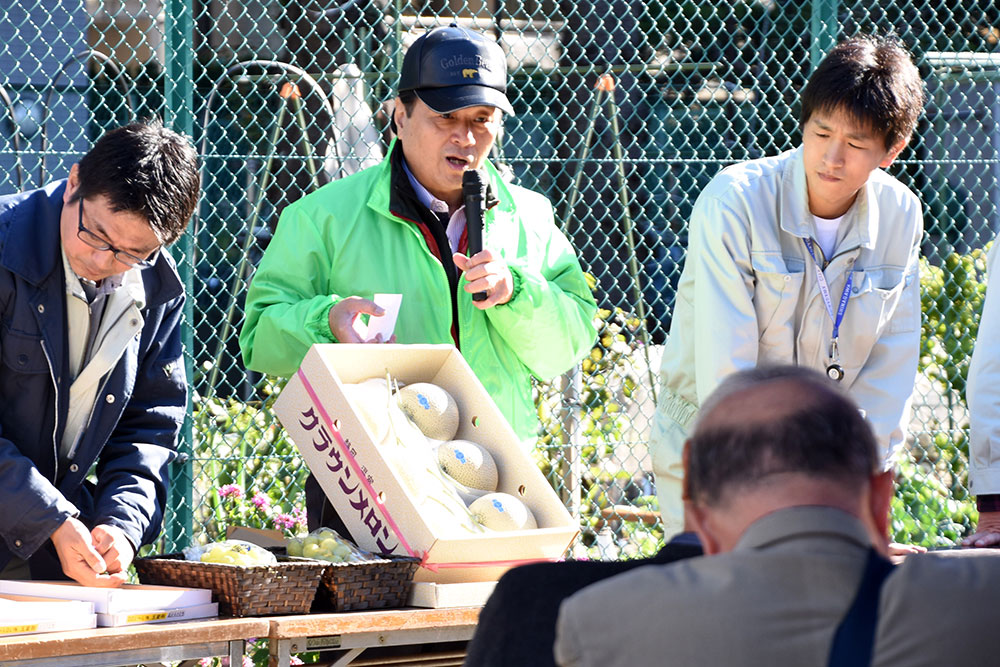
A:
(399, 227)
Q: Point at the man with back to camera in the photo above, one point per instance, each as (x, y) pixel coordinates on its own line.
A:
(91, 348)
(785, 488)
(809, 258)
(399, 227)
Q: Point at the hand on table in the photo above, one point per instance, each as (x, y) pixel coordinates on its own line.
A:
(80, 560)
(114, 547)
(898, 552)
(987, 532)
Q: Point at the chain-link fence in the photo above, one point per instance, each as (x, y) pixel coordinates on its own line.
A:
(624, 111)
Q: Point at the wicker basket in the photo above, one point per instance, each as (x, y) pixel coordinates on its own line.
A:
(288, 587)
(371, 584)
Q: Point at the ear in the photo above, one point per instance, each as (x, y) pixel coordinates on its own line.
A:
(882, 490)
(399, 115)
(893, 153)
(685, 491)
(700, 520)
(72, 183)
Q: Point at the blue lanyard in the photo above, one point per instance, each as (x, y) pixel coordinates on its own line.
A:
(824, 290)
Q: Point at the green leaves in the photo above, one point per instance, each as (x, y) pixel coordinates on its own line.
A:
(933, 506)
(926, 510)
(240, 444)
(951, 298)
(611, 380)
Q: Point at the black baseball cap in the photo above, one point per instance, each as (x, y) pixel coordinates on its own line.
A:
(453, 68)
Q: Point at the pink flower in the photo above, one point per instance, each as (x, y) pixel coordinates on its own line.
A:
(284, 521)
(295, 660)
(261, 502)
(233, 490)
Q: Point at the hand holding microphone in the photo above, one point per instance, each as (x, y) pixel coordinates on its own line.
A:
(486, 273)
(474, 195)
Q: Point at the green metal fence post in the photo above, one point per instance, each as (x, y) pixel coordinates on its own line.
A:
(823, 28)
(179, 115)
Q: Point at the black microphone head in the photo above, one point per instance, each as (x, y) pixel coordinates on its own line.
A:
(473, 183)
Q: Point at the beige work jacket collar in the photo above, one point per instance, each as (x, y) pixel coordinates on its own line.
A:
(804, 521)
(860, 222)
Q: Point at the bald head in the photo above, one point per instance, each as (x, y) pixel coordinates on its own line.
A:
(765, 423)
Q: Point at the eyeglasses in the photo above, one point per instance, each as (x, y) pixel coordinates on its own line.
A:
(97, 243)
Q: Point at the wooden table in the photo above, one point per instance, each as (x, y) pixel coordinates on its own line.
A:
(356, 631)
(135, 644)
(352, 632)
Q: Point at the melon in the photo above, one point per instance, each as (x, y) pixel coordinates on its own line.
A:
(502, 511)
(469, 464)
(431, 408)
(370, 400)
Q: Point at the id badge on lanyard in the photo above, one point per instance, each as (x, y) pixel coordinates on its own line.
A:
(833, 369)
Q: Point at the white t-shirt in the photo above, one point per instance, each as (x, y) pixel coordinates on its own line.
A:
(826, 234)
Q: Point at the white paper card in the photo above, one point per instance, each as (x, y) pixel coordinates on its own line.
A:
(385, 324)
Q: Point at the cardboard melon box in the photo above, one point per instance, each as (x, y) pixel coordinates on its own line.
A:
(361, 486)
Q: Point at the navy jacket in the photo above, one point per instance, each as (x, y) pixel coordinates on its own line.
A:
(132, 435)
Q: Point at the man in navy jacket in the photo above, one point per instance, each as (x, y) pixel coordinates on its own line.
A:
(92, 386)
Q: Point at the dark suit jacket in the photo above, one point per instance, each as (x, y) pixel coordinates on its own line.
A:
(132, 432)
(517, 627)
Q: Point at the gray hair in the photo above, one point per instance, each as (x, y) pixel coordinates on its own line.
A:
(781, 419)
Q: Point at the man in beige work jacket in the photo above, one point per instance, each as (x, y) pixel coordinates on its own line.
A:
(807, 258)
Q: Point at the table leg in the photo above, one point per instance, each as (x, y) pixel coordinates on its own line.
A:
(279, 653)
(237, 649)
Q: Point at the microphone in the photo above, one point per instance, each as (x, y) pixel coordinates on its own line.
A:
(474, 196)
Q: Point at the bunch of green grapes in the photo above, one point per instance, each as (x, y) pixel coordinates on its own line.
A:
(326, 544)
(231, 553)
